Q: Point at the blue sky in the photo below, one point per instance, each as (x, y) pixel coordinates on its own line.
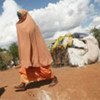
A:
(54, 17)
(30, 4)
(34, 4)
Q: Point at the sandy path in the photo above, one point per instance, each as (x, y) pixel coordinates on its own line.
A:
(74, 84)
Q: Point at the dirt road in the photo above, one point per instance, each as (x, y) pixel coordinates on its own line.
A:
(74, 84)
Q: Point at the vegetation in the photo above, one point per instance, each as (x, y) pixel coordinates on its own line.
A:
(5, 59)
(1, 49)
(2, 64)
(13, 49)
(6, 56)
(96, 33)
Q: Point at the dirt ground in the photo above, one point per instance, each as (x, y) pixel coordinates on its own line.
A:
(74, 84)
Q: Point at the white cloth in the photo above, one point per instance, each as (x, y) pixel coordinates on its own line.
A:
(82, 57)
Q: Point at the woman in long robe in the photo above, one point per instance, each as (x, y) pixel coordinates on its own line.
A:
(34, 57)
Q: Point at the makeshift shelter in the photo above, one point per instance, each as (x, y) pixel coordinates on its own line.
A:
(59, 50)
(75, 51)
(85, 53)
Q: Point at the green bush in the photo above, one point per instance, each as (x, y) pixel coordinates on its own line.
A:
(96, 34)
(2, 64)
(5, 59)
(13, 49)
(7, 55)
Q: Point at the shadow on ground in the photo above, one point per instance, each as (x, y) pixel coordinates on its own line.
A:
(2, 90)
(38, 84)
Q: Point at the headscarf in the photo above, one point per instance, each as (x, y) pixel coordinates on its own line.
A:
(32, 48)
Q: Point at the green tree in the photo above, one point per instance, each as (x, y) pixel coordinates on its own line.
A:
(2, 64)
(96, 33)
(3, 49)
(5, 59)
(13, 49)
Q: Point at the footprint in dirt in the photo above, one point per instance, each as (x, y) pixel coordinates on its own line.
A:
(30, 93)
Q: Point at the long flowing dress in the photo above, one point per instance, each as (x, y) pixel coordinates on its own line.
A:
(34, 57)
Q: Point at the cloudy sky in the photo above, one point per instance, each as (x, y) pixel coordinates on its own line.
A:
(53, 16)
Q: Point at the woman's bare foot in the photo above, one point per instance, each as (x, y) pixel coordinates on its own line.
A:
(20, 87)
(53, 82)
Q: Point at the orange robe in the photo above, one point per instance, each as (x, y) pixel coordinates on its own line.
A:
(34, 57)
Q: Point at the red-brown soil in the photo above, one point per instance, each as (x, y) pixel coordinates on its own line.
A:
(74, 84)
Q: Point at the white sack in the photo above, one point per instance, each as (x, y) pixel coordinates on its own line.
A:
(76, 55)
(93, 50)
(82, 57)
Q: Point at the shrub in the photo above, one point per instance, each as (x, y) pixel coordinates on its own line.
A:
(13, 49)
(2, 64)
(96, 34)
(5, 59)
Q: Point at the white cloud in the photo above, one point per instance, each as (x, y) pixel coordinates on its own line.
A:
(64, 15)
(79, 29)
(95, 22)
(8, 21)
(97, 1)
(57, 34)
